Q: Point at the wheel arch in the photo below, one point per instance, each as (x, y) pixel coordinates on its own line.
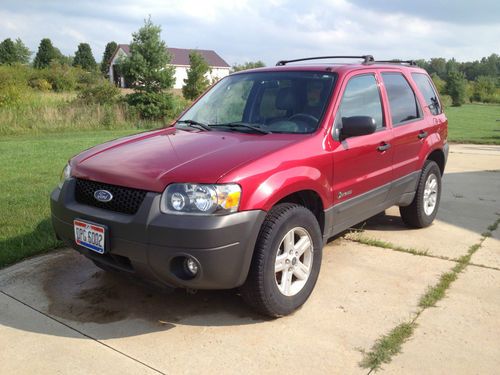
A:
(309, 199)
(439, 158)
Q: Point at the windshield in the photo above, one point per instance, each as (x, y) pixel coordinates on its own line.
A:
(276, 102)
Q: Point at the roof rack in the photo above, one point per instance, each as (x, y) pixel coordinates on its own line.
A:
(366, 58)
(397, 61)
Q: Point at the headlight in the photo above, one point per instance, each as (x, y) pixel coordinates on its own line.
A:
(200, 199)
(65, 175)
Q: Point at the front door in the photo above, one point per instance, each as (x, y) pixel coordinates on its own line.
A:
(362, 165)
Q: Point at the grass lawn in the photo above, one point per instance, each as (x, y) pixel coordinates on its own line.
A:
(30, 167)
(474, 123)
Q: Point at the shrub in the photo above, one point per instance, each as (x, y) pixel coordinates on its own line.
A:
(40, 84)
(151, 105)
(103, 93)
(13, 87)
(85, 79)
(446, 100)
(456, 87)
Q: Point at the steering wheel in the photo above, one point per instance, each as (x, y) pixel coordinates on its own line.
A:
(305, 117)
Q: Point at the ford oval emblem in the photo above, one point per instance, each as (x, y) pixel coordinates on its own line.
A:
(103, 195)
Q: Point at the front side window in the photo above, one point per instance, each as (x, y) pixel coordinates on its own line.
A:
(361, 98)
(431, 99)
(402, 100)
(277, 102)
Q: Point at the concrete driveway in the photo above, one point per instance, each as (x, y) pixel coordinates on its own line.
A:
(59, 314)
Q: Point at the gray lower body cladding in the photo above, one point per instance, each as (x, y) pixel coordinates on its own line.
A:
(149, 243)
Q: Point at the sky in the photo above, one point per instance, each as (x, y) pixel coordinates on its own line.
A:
(267, 30)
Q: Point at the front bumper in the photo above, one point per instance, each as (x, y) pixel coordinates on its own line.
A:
(149, 244)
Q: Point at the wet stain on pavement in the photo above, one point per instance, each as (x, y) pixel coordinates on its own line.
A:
(77, 290)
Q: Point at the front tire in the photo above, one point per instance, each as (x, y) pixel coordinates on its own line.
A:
(286, 261)
(422, 211)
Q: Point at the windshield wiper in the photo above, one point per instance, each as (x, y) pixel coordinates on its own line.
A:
(195, 124)
(241, 125)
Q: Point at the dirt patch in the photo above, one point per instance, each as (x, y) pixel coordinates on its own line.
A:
(77, 290)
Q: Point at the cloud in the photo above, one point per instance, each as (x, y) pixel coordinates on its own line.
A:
(265, 30)
(459, 11)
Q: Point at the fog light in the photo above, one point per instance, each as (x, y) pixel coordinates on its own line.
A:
(191, 266)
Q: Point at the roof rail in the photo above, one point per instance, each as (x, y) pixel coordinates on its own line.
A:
(366, 58)
(397, 61)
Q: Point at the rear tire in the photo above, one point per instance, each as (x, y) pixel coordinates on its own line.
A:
(286, 261)
(423, 209)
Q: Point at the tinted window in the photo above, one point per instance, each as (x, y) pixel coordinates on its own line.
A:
(427, 90)
(361, 98)
(402, 100)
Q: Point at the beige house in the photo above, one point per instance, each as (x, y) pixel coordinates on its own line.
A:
(180, 60)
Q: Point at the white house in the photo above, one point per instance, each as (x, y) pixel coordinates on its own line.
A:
(180, 60)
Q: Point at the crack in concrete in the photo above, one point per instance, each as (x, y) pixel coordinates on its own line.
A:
(389, 345)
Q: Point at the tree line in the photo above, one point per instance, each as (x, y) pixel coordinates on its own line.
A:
(463, 82)
(150, 74)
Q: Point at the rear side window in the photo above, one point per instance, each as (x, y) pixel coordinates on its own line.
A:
(431, 99)
(402, 100)
(361, 98)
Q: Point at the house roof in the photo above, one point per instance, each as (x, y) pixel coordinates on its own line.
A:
(180, 56)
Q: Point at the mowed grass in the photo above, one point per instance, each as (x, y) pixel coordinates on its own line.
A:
(474, 123)
(30, 167)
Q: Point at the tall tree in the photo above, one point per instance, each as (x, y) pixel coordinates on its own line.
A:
(196, 82)
(456, 88)
(247, 65)
(23, 53)
(148, 70)
(84, 57)
(147, 67)
(46, 53)
(8, 52)
(106, 57)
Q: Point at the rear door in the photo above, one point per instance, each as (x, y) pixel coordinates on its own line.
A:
(409, 125)
(363, 164)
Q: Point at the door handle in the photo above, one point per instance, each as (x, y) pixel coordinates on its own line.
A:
(383, 147)
(422, 134)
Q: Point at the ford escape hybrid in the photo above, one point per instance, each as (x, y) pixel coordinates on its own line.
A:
(257, 175)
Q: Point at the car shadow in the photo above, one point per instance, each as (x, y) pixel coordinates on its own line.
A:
(74, 291)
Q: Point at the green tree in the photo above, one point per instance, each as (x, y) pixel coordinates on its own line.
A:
(148, 70)
(14, 52)
(23, 53)
(484, 88)
(456, 87)
(106, 57)
(247, 65)
(196, 82)
(439, 83)
(438, 66)
(84, 57)
(147, 67)
(8, 54)
(46, 53)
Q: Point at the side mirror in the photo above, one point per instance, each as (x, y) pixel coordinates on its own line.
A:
(357, 125)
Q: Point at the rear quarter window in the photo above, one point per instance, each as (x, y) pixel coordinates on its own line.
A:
(427, 90)
(402, 100)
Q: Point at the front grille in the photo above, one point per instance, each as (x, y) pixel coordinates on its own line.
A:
(125, 200)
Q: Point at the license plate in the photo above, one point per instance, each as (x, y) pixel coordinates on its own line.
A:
(89, 235)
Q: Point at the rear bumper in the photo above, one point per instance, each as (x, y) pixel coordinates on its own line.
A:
(150, 244)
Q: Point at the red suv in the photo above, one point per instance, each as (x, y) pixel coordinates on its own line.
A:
(257, 175)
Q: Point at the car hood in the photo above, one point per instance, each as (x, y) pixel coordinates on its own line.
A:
(152, 160)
